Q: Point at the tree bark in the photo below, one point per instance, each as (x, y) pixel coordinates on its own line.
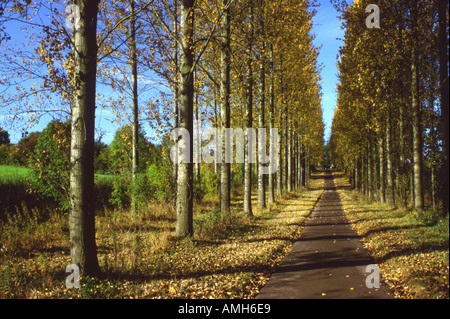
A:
(249, 119)
(369, 169)
(225, 109)
(286, 174)
(197, 133)
(184, 226)
(289, 155)
(382, 170)
(299, 160)
(134, 81)
(175, 88)
(443, 83)
(416, 116)
(390, 195)
(307, 165)
(271, 183)
(261, 118)
(83, 249)
(280, 156)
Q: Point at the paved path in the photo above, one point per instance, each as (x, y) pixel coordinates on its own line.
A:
(327, 261)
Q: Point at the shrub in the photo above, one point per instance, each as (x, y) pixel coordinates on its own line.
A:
(119, 152)
(208, 184)
(209, 224)
(120, 192)
(210, 181)
(162, 186)
(51, 161)
(141, 189)
(427, 216)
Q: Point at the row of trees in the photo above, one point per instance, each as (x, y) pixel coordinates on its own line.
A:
(390, 127)
(223, 62)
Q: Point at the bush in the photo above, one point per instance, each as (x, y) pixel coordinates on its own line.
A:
(119, 152)
(427, 216)
(208, 184)
(210, 223)
(103, 193)
(141, 189)
(6, 154)
(162, 186)
(120, 192)
(51, 161)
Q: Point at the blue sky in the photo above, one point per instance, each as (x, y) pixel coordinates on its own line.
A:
(326, 27)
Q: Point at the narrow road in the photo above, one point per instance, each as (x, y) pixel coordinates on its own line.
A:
(328, 260)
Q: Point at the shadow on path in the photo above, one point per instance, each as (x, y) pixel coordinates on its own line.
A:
(328, 260)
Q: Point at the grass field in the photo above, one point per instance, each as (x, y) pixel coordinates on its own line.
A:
(19, 196)
(8, 172)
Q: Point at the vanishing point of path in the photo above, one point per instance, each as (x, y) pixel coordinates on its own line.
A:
(327, 261)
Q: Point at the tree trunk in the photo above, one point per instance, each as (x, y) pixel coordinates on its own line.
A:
(443, 83)
(249, 120)
(217, 126)
(299, 160)
(382, 170)
(307, 165)
(402, 172)
(363, 176)
(286, 175)
(289, 155)
(295, 141)
(390, 195)
(369, 169)
(175, 89)
(280, 156)
(184, 226)
(262, 99)
(416, 116)
(225, 109)
(197, 133)
(433, 150)
(135, 148)
(83, 249)
(271, 198)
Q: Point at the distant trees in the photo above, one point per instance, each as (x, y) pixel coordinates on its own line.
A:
(121, 155)
(386, 130)
(4, 147)
(4, 137)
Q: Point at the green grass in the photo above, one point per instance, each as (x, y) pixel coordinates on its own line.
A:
(9, 172)
(18, 195)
